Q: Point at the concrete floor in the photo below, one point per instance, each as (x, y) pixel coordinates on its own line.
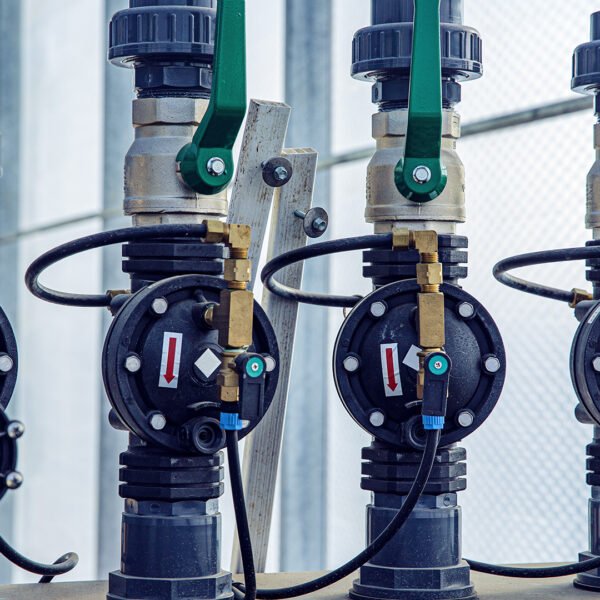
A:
(488, 587)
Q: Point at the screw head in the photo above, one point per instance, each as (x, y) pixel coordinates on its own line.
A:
(160, 306)
(270, 363)
(280, 173)
(377, 418)
(378, 309)
(158, 421)
(6, 363)
(465, 418)
(216, 166)
(422, 175)
(133, 363)
(13, 480)
(492, 364)
(596, 364)
(351, 364)
(15, 430)
(319, 225)
(466, 310)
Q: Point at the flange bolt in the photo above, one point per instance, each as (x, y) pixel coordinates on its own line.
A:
(158, 421)
(133, 363)
(15, 430)
(13, 480)
(6, 363)
(160, 306)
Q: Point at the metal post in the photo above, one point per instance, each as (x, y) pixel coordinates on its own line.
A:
(10, 102)
(117, 139)
(304, 491)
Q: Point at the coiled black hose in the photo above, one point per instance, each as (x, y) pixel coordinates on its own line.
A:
(501, 270)
(90, 242)
(313, 251)
(309, 587)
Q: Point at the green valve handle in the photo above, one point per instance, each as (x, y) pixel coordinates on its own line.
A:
(420, 176)
(206, 165)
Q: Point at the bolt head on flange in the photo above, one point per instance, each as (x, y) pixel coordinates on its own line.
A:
(15, 430)
(13, 480)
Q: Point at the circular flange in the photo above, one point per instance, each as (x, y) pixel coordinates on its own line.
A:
(385, 344)
(8, 360)
(585, 355)
(179, 359)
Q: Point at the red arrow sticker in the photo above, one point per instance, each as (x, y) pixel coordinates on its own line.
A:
(171, 359)
(390, 366)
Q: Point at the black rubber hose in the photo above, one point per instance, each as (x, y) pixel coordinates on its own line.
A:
(63, 565)
(58, 561)
(90, 242)
(241, 515)
(287, 259)
(310, 587)
(535, 572)
(541, 258)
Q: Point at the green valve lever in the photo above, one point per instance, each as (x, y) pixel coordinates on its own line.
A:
(206, 164)
(420, 176)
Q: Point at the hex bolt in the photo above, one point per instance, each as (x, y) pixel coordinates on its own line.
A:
(280, 173)
(465, 418)
(158, 421)
(378, 309)
(319, 225)
(377, 418)
(270, 362)
(596, 364)
(133, 363)
(160, 306)
(216, 166)
(492, 364)
(6, 363)
(15, 429)
(13, 480)
(466, 310)
(422, 174)
(351, 364)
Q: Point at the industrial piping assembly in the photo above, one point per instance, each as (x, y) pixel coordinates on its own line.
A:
(191, 363)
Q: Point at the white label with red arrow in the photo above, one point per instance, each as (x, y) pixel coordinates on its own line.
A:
(171, 359)
(391, 370)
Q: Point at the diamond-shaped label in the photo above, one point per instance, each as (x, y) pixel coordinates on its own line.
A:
(208, 363)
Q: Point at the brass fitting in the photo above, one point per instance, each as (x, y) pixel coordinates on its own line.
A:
(580, 296)
(237, 237)
(238, 271)
(233, 317)
(430, 301)
(228, 380)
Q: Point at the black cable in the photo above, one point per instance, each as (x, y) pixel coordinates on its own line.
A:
(241, 515)
(90, 242)
(542, 258)
(535, 572)
(63, 565)
(58, 561)
(309, 587)
(287, 259)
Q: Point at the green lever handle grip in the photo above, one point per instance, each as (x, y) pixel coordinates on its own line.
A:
(420, 175)
(206, 164)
